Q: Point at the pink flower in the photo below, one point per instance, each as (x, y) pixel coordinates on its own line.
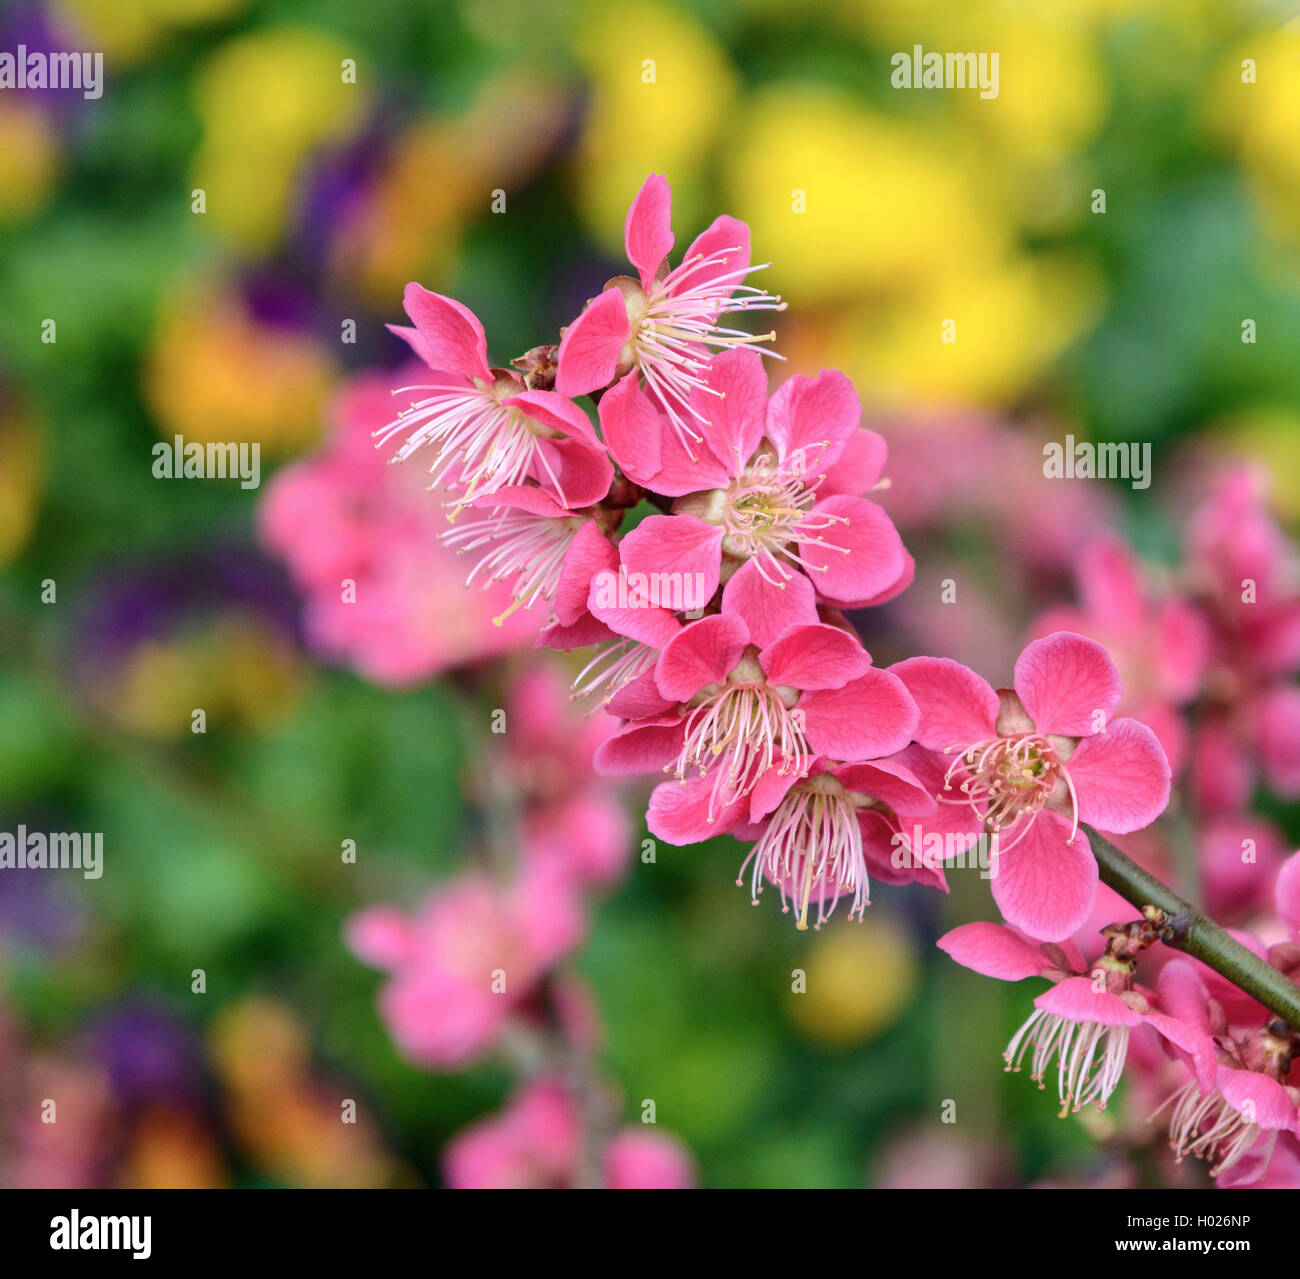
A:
(488, 429)
(360, 541)
(545, 551)
(1246, 1104)
(769, 503)
(1244, 573)
(820, 836)
(662, 325)
(536, 1143)
(1083, 1022)
(735, 707)
(466, 961)
(1160, 648)
(1034, 761)
(569, 819)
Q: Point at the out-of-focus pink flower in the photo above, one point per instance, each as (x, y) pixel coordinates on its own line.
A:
(1244, 573)
(360, 541)
(1036, 760)
(1083, 1022)
(536, 1143)
(1159, 646)
(570, 819)
(663, 327)
(467, 960)
(488, 428)
(769, 500)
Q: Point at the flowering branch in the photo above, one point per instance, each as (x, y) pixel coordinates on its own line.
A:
(1185, 928)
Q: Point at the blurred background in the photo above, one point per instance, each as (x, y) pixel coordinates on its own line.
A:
(202, 235)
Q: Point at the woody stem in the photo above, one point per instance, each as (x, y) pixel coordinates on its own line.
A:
(1187, 929)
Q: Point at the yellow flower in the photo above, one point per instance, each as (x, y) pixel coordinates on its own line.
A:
(268, 101)
(1254, 107)
(29, 158)
(844, 201)
(20, 482)
(858, 979)
(215, 372)
(662, 90)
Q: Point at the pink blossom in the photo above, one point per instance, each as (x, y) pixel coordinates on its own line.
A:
(1247, 1104)
(467, 960)
(360, 541)
(569, 818)
(820, 836)
(1244, 573)
(536, 1143)
(1034, 761)
(1084, 1021)
(660, 327)
(546, 552)
(769, 502)
(736, 707)
(1159, 646)
(488, 428)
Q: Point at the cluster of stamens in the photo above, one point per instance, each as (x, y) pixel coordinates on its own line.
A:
(811, 844)
(679, 323)
(740, 731)
(767, 512)
(527, 550)
(480, 444)
(1007, 780)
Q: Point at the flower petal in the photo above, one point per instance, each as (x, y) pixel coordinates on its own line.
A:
(679, 811)
(633, 427)
(1064, 681)
(1045, 885)
(871, 716)
(768, 608)
(1121, 777)
(857, 558)
(958, 708)
(995, 951)
(725, 233)
(814, 656)
(591, 345)
(813, 419)
(452, 339)
(648, 229)
(703, 653)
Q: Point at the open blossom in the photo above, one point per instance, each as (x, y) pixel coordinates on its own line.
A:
(487, 428)
(1083, 1023)
(1158, 646)
(542, 550)
(536, 1143)
(342, 515)
(1248, 1111)
(733, 708)
(1033, 762)
(772, 495)
(663, 327)
(821, 836)
(467, 960)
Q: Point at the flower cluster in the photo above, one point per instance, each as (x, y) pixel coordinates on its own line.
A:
(709, 538)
